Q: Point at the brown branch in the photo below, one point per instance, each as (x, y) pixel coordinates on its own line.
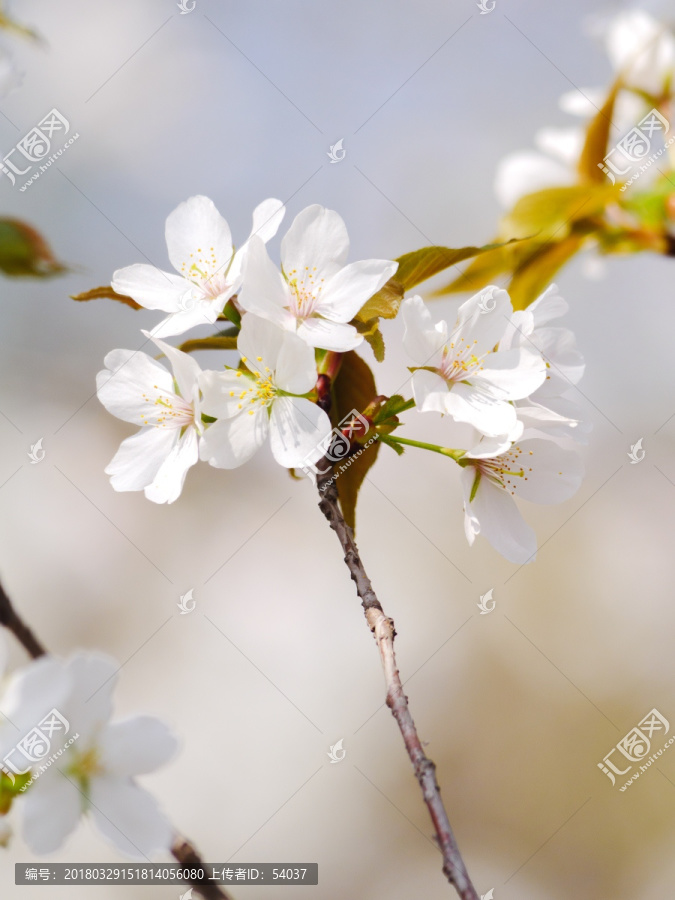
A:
(188, 857)
(14, 623)
(181, 849)
(383, 630)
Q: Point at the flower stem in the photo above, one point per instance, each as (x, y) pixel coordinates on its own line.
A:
(435, 448)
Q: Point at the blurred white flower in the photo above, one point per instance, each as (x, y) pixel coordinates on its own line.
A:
(95, 772)
(527, 171)
(641, 49)
(250, 405)
(536, 470)
(317, 294)
(10, 77)
(209, 270)
(460, 374)
(137, 389)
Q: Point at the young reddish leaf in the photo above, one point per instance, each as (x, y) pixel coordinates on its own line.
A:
(353, 389)
(24, 252)
(106, 292)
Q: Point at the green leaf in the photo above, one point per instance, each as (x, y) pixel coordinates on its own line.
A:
(371, 332)
(553, 211)
(354, 388)
(485, 268)
(8, 791)
(215, 342)
(597, 139)
(652, 207)
(384, 304)
(24, 252)
(106, 292)
(413, 269)
(535, 274)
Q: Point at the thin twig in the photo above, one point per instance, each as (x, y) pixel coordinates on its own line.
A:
(188, 857)
(12, 622)
(382, 628)
(181, 849)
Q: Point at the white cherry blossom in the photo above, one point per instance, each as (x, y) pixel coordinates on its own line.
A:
(460, 374)
(317, 294)
(262, 401)
(209, 270)
(95, 771)
(540, 471)
(138, 389)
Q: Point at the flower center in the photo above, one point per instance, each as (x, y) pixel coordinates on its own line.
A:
(505, 470)
(306, 291)
(459, 361)
(167, 410)
(205, 272)
(261, 390)
(86, 765)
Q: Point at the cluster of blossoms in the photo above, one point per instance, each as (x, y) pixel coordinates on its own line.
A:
(503, 373)
(641, 52)
(63, 757)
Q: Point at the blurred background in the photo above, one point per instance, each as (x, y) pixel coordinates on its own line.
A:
(242, 101)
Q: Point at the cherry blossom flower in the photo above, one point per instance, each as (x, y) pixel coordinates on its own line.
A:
(137, 389)
(94, 770)
(262, 400)
(548, 410)
(209, 271)
(540, 471)
(460, 373)
(318, 294)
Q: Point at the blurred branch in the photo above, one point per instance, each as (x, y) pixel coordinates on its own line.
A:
(383, 630)
(14, 623)
(188, 857)
(181, 849)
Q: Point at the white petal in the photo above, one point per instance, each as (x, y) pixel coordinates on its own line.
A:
(267, 217)
(129, 817)
(229, 443)
(169, 480)
(583, 102)
(139, 458)
(185, 367)
(203, 313)
(558, 346)
(526, 172)
(482, 330)
(264, 292)
(89, 706)
(297, 428)
(221, 392)
(136, 746)
(549, 305)
(129, 374)
(564, 143)
(259, 343)
(151, 287)
(347, 291)
(317, 238)
(296, 366)
(196, 234)
(467, 403)
(32, 692)
(429, 390)
(498, 519)
(51, 810)
(551, 473)
(423, 341)
(328, 335)
(510, 374)
(538, 419)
